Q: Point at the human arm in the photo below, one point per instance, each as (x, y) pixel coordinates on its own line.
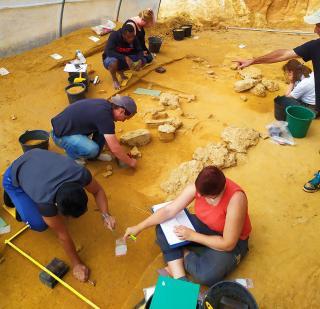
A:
(289, 90)
(102, 202)
(118, 150)
(235, 218)
(80, 271)
(275, 56)
(165, 213)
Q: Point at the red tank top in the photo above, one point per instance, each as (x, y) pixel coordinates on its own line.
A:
(215, 216)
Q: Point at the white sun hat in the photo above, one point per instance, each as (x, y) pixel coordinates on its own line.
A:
(313, 18)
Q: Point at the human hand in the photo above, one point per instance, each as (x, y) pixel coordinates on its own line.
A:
(243, 63)
(133, 163)
(129, 62)
(109, 222)
(145, 53)
(183, 232)
(133, 230)
(81, 272)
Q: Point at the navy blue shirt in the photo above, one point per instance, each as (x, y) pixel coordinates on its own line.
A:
(311, 51)
(85, 117)
(40, 173)
(118, 48)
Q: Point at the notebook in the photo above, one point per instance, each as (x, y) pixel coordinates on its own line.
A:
(172, 294)
(182, 218)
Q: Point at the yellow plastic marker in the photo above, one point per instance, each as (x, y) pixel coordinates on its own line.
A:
(208, 306)
(134, 238)
(66, 285)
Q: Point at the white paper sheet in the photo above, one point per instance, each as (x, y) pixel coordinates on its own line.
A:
(56, 56)
(4, 71)
(69, 67)
(168, 226)
(94, 38)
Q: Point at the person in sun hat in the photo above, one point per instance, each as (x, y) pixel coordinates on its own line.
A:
(83, 128)
(309, 51)
(44, 187)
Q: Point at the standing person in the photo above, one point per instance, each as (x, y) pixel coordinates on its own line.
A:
(96, 117)
(122, 52)
(145, 19)
(307, 51)
(222, 227)
(44, 187)
(301, 85)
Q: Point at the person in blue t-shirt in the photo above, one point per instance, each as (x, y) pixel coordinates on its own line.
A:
(44, 187)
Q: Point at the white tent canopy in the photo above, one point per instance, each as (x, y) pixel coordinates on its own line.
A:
(25, 24)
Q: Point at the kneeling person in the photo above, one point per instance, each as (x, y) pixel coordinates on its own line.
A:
(96, 117)
(122, 52)
(44, 186)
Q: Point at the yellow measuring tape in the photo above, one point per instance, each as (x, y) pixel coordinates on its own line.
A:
(66, 285)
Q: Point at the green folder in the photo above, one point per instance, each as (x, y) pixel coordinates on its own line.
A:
(172, 294)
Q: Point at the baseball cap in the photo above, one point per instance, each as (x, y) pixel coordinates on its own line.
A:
(313, 18)
(126, 102)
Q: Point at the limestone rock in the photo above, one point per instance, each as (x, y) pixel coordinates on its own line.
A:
(188, 97)
(109, 167)
(215, 154)
(250, 73)
(159, 115)
(155, 123)
(259, 90)
(135, 153)
(107, 174)
(13, 117)
(243, 85)
(166, 132)
(138, 137)
(170, 100)
(210, 72)
(240, 139)
(234, 66)
(271, 85)
(244, 98)
(198, 60)
(176, 122)
(184, 174)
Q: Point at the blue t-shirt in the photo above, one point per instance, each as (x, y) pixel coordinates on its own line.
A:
(40, 173)
(85, 117)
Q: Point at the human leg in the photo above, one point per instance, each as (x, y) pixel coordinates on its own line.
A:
(24, 205)
(77, 146)
(313, 185)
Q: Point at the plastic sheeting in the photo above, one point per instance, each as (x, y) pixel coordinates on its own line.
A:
(30, 23)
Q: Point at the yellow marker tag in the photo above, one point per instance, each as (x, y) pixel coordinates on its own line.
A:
(133, 237)
(209, 306)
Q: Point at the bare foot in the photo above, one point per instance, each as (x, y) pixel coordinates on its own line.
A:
(136, 66)
(123, 76)
(116, 85)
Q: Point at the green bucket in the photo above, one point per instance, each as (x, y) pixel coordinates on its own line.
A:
(299, 119)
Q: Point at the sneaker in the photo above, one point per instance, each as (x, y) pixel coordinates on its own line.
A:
(313, 185)
(104, 157)
(81, 161)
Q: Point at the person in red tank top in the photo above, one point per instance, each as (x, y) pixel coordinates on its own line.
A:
(222, 228)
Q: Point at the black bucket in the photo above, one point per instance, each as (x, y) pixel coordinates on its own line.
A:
(73, 97)
(230, 291)
(178, 34)
(154, 44)
(73, 75)
(280, 105)
(187, 30)
(35, 135)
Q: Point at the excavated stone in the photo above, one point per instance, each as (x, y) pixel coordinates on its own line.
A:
(271, 85)
(188, 97)
(155, 123)
(169, 100)
(138, 137)
(244, 98)
(240, 139)
(215, 154)
(250, 73)
(243, 85)
(159, 115)
(135, 153)
(234, 66)
(259, 90)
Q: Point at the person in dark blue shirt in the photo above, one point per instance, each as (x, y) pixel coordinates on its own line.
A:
(44, 187)
(122, 52)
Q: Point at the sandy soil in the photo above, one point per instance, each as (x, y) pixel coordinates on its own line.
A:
(283, 261)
